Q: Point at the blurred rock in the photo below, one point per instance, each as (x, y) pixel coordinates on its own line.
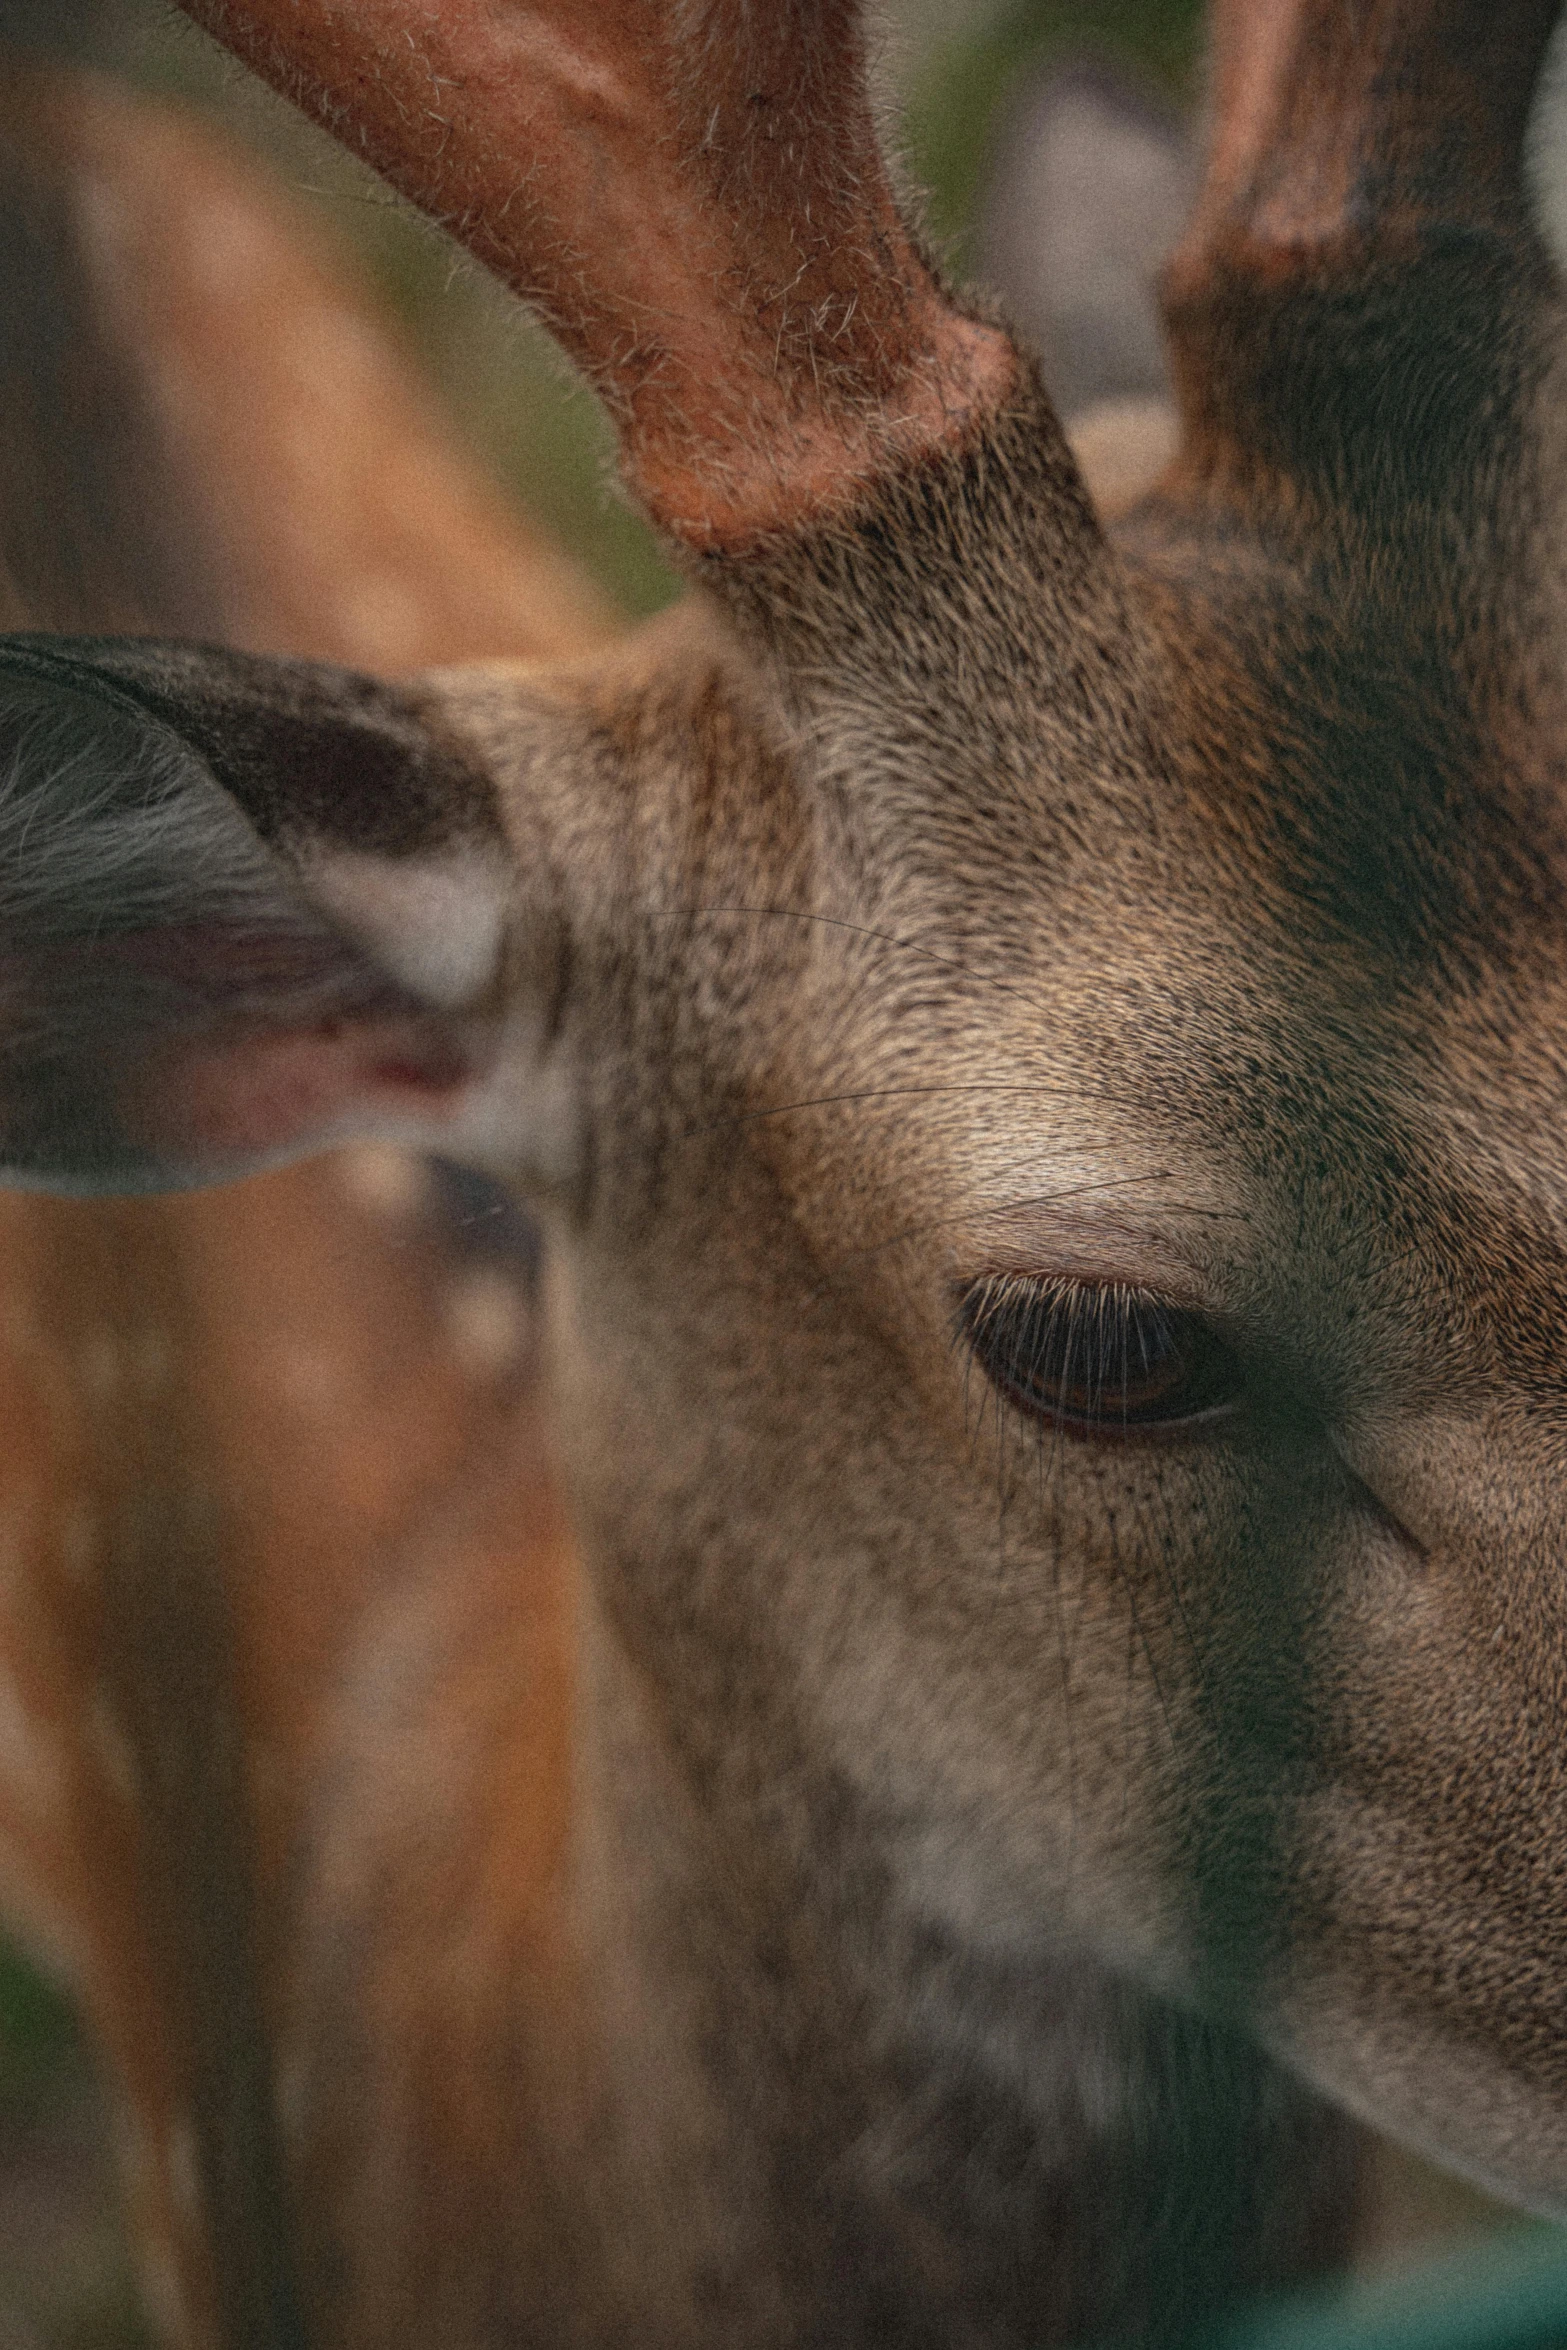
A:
(1122, 446)
(1087, 191)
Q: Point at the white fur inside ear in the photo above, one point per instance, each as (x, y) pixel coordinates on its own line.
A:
(434, 923)
(1546, 148)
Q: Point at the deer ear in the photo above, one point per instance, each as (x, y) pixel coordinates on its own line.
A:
(247, 908)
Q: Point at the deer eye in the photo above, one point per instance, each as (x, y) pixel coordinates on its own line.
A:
(1101, 1359)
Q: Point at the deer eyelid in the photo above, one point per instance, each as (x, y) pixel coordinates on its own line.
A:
(1105, 1360)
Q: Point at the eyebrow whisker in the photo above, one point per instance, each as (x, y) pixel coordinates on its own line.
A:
(943, 1223)
(912, 946)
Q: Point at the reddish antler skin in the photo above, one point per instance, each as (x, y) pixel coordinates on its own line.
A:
(1326, 147)
(698, 208)
(1363, 213)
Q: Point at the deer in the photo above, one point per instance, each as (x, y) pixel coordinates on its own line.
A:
(981, 1699)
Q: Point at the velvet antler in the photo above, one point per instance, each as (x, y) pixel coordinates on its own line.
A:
(1362, 238)
(693, 196)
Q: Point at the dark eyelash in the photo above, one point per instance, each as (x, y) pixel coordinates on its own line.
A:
(1100, 1358)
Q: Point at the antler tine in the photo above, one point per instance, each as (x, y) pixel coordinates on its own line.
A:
(1365, 169)
(692, 193)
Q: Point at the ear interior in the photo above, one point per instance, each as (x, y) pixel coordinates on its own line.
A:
(433, 923)
(177, 1001)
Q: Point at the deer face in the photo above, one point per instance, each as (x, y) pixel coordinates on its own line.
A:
(1040, 1059)
(1149, 1504)
(1144, 1496)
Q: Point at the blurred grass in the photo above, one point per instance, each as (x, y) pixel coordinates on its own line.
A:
(65, 2272)
(959, 90)
(39, 2042)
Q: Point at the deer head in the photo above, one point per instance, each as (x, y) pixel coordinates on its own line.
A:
(1038, 1053)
